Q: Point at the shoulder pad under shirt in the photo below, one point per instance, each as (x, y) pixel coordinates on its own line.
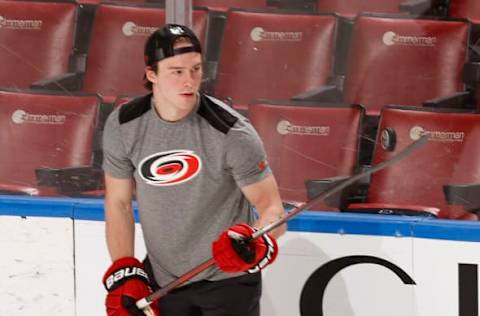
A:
(215, 113)
(135, 108)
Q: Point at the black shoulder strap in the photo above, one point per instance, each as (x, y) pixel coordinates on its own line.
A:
(135, 108)
(211, 110)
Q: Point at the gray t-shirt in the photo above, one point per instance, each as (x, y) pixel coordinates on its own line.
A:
(188, 176)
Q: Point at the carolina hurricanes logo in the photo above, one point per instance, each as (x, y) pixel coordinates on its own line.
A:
(169, 167)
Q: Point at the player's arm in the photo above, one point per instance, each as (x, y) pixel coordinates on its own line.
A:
(266, 199)
(231, 251)
(119, 219)
(125, 279)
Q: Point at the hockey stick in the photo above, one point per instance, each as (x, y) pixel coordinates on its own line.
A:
(146, 301)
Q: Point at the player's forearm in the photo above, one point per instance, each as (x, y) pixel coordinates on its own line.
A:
(269, 215)
(266, 199)
(120, 229)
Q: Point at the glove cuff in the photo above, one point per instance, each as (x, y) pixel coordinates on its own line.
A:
(270, 253)
(122, 270)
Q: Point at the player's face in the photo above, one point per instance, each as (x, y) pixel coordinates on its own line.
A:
(177, 81)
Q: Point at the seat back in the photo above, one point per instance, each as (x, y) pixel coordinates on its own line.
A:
(404, 61)
(36, 40)
(450, 156)
(273, 55)
(307, 142)
(115, 64)
(465, 9)
(43, 130)
(353, 7)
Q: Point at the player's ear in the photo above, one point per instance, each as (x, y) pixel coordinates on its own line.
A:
(150, 74)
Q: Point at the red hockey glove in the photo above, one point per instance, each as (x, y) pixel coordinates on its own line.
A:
(233, 254)
(126, 282)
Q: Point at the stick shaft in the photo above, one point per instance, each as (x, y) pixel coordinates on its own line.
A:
(330, 191)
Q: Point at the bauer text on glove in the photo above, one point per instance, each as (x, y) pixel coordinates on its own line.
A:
(126, 282)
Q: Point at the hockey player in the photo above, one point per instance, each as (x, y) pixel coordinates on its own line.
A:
(196, 167)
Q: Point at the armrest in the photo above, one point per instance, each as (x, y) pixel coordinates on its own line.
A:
(393, 209)
(467, 195)
(356, 192)
(416, 7)
(305, 5)
(14, 189)
(458, 100)
(70, 180)
(471, 72)
(328, 93)
(209, 77)
(71, 81)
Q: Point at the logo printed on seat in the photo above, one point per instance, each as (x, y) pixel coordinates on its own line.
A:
(170, 167)
(258, 34)
(391, 38)
(442, 136)
(130, 29)
(21, 117)
(285, 127)
(20, 24)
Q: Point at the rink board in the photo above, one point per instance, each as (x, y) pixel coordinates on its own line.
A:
(54, 255)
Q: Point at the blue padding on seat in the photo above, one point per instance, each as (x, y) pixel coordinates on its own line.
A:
(307, 221)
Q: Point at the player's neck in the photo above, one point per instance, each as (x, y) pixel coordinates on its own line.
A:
(173, 112)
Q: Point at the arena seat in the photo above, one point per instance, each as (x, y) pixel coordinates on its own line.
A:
(304, 141)
(415, 184)
(115, 59)
(49, 136)
(115, 62)
(469, 9)
(36, 40)
(273, 55)
(406, 61)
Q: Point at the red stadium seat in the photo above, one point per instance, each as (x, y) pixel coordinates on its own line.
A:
(404, 61)
(273, 55)
(416, 183)
(36, 40)
(42, 132)
(115, 64)
(304, 142)
(465, 9)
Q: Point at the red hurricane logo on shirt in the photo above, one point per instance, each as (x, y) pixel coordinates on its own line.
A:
(169, 167)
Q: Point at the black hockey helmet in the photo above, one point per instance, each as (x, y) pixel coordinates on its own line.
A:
(160, 44)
